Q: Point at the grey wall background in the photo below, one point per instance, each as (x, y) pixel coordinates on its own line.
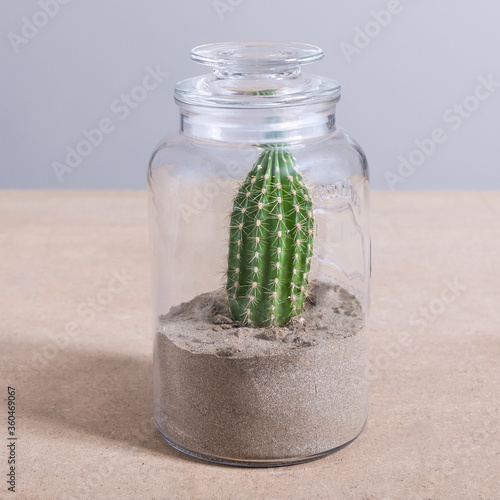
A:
(412, 75)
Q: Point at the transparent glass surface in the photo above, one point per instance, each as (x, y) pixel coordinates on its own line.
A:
(229, 388)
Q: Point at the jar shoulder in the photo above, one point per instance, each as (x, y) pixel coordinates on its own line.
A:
(339, 153)
(344, 152)
(171, 148)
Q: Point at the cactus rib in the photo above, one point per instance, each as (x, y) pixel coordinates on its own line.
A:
(270, 242)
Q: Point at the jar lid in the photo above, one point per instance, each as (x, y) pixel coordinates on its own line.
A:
(256, 75)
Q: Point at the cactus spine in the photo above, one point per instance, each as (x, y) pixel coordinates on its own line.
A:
(270, 242)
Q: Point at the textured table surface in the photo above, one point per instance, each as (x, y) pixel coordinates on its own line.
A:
(76, 345)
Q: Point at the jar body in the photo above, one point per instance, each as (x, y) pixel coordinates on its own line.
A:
(231, 391)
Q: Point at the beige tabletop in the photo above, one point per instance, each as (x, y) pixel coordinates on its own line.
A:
(76, 345)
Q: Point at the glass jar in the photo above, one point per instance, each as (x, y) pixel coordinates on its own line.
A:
(261, 262)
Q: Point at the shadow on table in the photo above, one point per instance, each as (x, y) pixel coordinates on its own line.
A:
(94, 392)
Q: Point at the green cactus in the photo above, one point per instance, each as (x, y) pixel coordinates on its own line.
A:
(270, 242)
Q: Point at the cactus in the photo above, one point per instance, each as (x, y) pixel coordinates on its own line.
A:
(270, 242)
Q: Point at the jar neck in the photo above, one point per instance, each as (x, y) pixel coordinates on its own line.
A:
(258, 125)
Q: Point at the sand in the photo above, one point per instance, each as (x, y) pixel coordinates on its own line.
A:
(232, 393)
